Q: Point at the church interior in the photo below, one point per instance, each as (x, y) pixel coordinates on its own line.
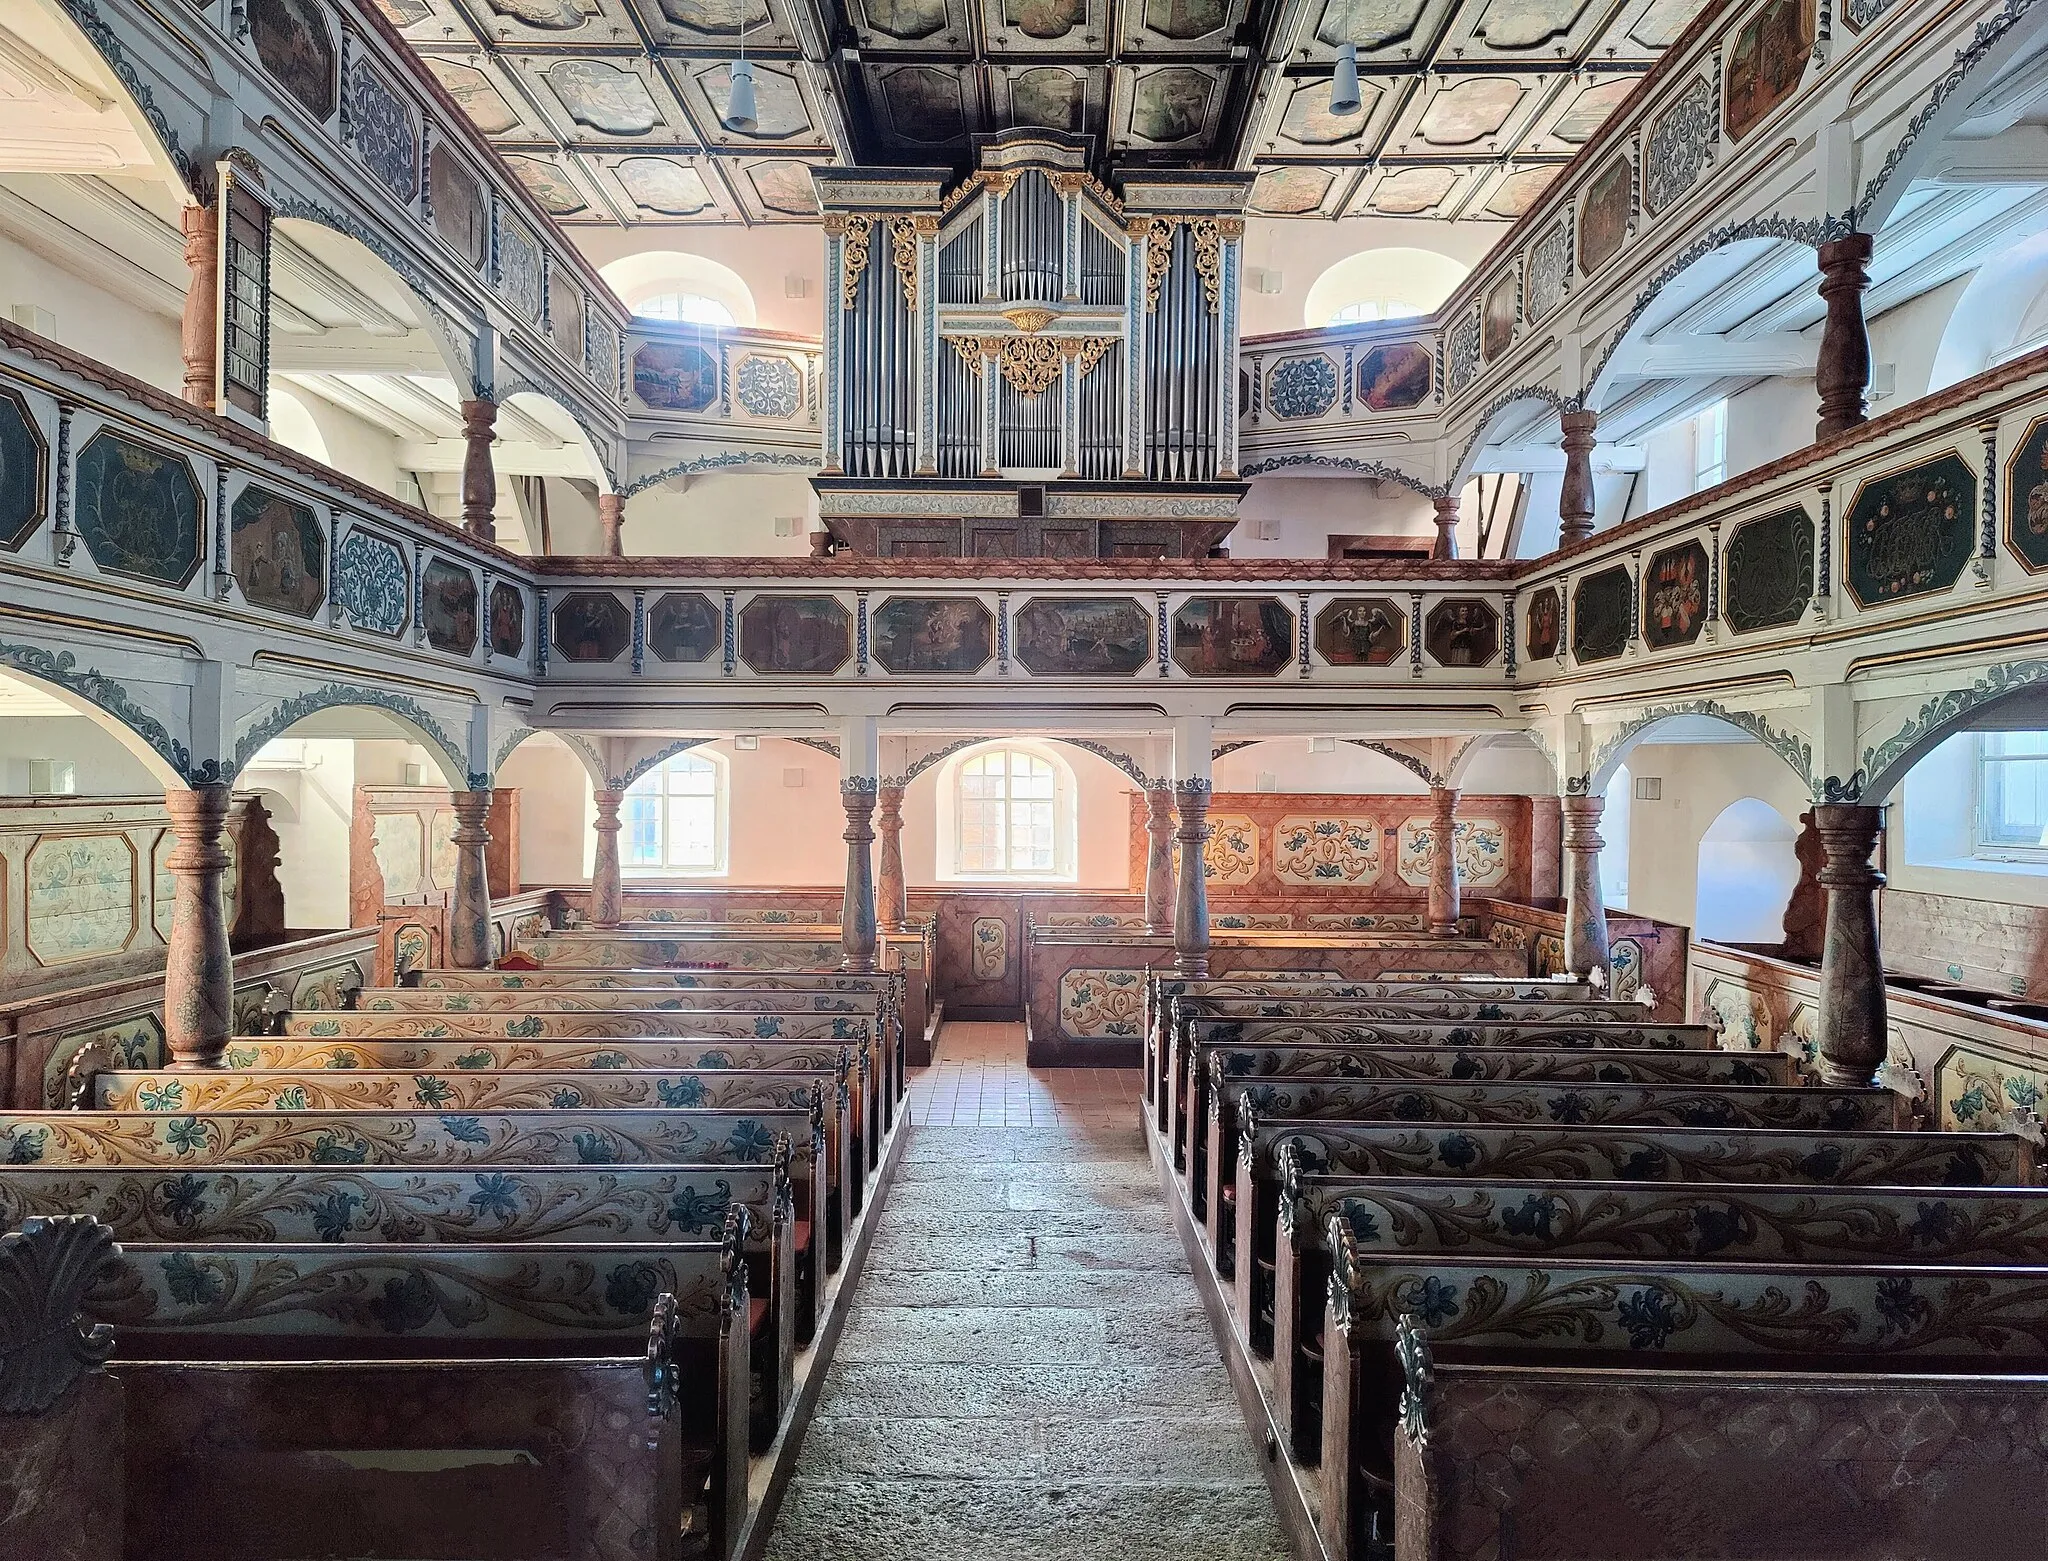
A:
(1402, 649)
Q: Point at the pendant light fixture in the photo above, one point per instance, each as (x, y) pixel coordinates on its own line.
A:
(739, 103)
(1344, 81)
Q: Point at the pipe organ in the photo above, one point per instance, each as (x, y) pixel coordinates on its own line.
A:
(1028, 364)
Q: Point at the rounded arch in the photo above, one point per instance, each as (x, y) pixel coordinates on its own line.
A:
(1676, 721)
(293, 425)
(83, 46)
(106, 704)
(1512, 408)
(413, 721)
(1063, 809)
(390, 298)
(2003, 304)
(1494, 743)
(577, 746)
(654, 272)
(1414, 281)
(2008, 696)
(1747, 870)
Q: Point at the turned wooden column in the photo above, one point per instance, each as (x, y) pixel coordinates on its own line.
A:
(1575, 496)
(1850, 1035)
(1191, 915)
(199, 968)
(857, 911)
(1159, 861)
(607, 892)
(611, 515)
(1842, 371)
(469, 912)
(1446, 545)
(479, 478)
(1585, 911)
(892, 899)
(1444, 906)
(199, 337)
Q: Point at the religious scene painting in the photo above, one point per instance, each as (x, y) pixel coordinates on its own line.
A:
(1185, 20)
(24, 473)
(1048, 97)
(1767, 61)
(1079, 637)
(1361, 631)
(716, 18)
(1600, 613)
(914, 634)
(508, 619)
(478, 96)
(675, 378)
(1291, 192)
(138, 509)
(1393, 378)
(785, 187)
(664, 185)
(1603, 215)
(908, 20)
(2026, 494)
(1470, 110)
(591, 626)
(1044, 20)
(1233, 636)
(684, 626)
(1675, 596)
(448, 607)
(279, 551)
(795, 634)
(1171, 104)
(1768, 571)
(1912, 532)
(1543, 625)
(1462, 631)
(923, 104)
(297, 49)
(1497, 317)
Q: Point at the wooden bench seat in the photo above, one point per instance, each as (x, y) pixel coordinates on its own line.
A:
(611, 994)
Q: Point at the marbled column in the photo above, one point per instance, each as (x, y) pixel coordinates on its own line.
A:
(1585, 912)
(892, 901)
(199, 336)
(199, 968)
(479, 477)
(1575, 495)
(1444, 907)
(1849, 1028)
(1159, 861)
(469, 913)
(611, 515)
(1446, 526)
(1841, 372)
(1191, 914)
(857, 911)
(607, 893)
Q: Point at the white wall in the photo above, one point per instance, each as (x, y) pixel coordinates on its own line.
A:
(1747, 872)
(1102, 830)
(763, 256)
(1700, 780)
(722, 514)
(309, 786)
(1302, 250)
(113, 329)
(103, 767)
(556, 811)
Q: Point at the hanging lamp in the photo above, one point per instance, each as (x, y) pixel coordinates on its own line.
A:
(739, 103)
(1344, 82)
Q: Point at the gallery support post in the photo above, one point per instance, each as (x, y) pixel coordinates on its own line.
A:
(1444, 906)
(857, 938)
(1850, 1032)
(1446, 545)
(199, 333)
(469, 911)
(1191, 914)
(607, 891)
(479, 478)
(892, 909)
(611, 518)
(1841, 371)
(1585, 909)
(1159, 860)
(1575, 494)
(199, 966)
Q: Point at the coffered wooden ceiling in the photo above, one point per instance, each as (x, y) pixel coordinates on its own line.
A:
(609, 109)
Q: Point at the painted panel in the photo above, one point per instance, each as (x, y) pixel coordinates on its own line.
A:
(280, 553)
(559, 197)
(163, 902)
(1543, 624)
(478, 96)
(398, 841)
(412, 947)
(675, 377)
(448, 604)
(1462, 631)
(1910, 533)
(1766, 62)
(795, 634)
(608, 98)
(386, 138)
(1469, 110)
(591, 626)
(1681, 141)
(297, 50)
(1233, 636)
(1361, 631)
(2026, 496)
(1301, 387)
(24, 472)
(1497, 317)
(785, 186)
(1604, 214)
(1327, 851)
(989, 954)
(138, 509)
(1550, 264)
(1171, 104)
(1232, 854)
(460, 216)
(1253, 921)
(371, 584)
(768, 385)
(508, 619)
(1979, 1091)
(1739, 1016)
(1767, 572)
(519, 268)
(1675, 596)
(136, 1042)
(81, 896)
(1079, 637)
(1624, 968)
(1600, 614)
(1480, 843)
(1098, 1005)
(1291, 192)
(1395, 377)
(684, 626)
(324, 987)
(442, 856)
(948, 634)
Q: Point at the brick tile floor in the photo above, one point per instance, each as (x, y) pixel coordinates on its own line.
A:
(979, 1080)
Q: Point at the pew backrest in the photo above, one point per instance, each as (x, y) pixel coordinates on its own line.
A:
(608, 1024)
(464, 1090)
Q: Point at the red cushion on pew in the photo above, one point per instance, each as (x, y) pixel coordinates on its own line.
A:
(802, 1233)
(757, 1317)
(518, 961)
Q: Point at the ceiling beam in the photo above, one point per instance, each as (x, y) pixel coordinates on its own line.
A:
(1693, 357)
(508, 458)
(350, 350)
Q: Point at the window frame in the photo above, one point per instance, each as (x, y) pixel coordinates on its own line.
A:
(683, 294)
(1983, 847)
(721, 833)
(952, 817)
(1705, 473)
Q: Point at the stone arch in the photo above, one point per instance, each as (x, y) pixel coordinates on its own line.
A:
(166, 754)
(657, 758)
(413, 720)
(1791, 747)
(578, 746)
(2004, 689)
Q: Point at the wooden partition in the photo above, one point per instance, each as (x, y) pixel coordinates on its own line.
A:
(401, 848)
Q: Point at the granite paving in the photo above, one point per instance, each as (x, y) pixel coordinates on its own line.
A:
(1026, 1371)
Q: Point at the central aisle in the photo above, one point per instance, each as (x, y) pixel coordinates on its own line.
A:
(1027, 1371)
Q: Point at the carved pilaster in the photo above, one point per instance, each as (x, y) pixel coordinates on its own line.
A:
(479, 477)
(891, 897)
(1191, 914)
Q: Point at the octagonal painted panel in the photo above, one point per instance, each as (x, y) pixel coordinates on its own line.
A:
(1395, 377)
(371, 583)
(784, 186)
(279, 552)
(675, 376)
(24, 472)
(565, 317)
(1470, 110)
(1462, 631)
(1767, 60)
(448, 607)
(1309, 122)
(768, 385)
(387, 136)
(1550, 264)
(1543, 625)
(138, 509)
(508, 619)
(1497, 315)
(591, 626)
(2026, 495)
(1525, 24)
(1301, 387)
(81, 896)
(933, 634)
(1767, 571)
(1361, 631)
(684, 626)
(1675, 596)
(795, 634)
(296, 46)
(1083, 636)
(1604, 213)
(1233, 636)
(1171, 104)
(1680, 143)
(461, 217)
(1911, 532)
(1600, 614)
(519, 267)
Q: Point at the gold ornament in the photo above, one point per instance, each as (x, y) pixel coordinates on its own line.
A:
(859, 231)
(1208, 242)
(1158, 259)
(903, 250)
(1029, 363)
(1093, 349)
(1030, 321)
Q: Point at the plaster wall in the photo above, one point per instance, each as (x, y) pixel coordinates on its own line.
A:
(309, 786)
(104, 768)
(1302, 251)
(557, 814)
(764, 257)
(1700, 780)
(723, 514)
(91, 320)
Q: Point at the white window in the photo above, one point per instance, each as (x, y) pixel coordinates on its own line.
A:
(2011, 812)
(673, 818)
(1710, 446)
(1368, 309)
(689, 308)
(1007, 812)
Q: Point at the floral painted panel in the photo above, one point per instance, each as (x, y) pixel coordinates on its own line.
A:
(519, 267)
(1624, 968)
(398, 842)
(1461, 356)
(1768, 571)
(1604, 214)
(1253, 921)
(768, 386)
(442, 856)
(164, 901)
(1327, 851)
(279, 551)
(138, 509)
(2026, 493)
(1361, 631)
(1098, 919)
(386, 138)
(1600, 614)
(1681, 143)
(370, 583)
(136, 1042)
(1546, 955)
(508, 619)
(989, 953)
(325, 987)
(1301, 387)
(24, 472)
(1978, 1090)
(1740, 1016)
(1232, 854)
(1365, 921)
(81, 896)
(1233, 636)
(1550, 264)
(448, 603)
(1910, 534)
(1509, 935)
(296, 47)
(674, 377)
(1675, 596)
(1767, 61)
(1098, 1005)
(601, 351)
(1481, 845)
(411, 947)
(1395, 377)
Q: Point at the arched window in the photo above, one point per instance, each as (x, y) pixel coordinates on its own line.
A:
(673, 818)
(1381, 284)
(1364, 310)
(690, 308)
(1008, 812)
(1614, 829)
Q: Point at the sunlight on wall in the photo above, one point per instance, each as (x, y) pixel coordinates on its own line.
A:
(1416, 280)
(1747, 872)
(637, 278)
